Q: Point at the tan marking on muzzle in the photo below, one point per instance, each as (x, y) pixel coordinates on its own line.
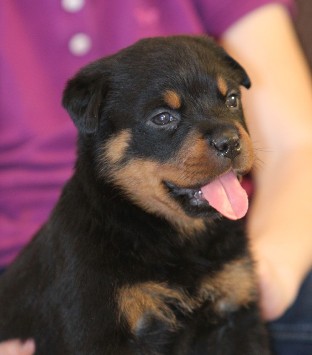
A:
(142, 181)
(246, 158)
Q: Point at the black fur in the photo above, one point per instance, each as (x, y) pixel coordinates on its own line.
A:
(112, 272)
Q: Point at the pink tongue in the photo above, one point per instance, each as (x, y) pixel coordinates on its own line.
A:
(227, 196)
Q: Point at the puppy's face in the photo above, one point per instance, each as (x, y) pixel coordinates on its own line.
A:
(167, 124)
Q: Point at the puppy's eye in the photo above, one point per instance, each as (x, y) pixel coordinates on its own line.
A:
(232, 101)
(163, 119)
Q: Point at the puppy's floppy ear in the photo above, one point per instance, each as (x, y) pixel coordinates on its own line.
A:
(235, 67)
(84, 95)
(239, 70)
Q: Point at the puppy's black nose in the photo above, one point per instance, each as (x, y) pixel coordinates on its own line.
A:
(227, 143)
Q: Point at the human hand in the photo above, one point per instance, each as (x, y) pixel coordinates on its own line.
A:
(17, 347)
(278, 289)
(278, 113)
(280, 231)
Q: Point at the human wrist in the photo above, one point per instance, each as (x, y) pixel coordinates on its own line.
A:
(283, 258)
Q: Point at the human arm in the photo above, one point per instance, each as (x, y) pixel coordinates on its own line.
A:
(279, 114)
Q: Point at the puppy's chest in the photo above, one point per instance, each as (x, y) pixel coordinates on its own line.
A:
(149, 304)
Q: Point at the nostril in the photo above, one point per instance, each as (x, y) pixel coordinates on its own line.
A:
(228, 146)
(221, 145)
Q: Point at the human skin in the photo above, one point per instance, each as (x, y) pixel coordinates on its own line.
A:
(278, 110)
(16, 347)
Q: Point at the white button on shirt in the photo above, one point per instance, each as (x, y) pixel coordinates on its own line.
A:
(80, 44)
(72, 5)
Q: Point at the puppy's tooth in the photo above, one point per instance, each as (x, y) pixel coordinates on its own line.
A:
(198, 194)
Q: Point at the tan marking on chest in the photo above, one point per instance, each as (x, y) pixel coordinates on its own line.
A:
(138, 302)
(231, 288)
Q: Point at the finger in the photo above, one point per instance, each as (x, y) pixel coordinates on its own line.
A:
(28, 347)
(17, 347)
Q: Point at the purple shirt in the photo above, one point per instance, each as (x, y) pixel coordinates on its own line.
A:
(43, 43)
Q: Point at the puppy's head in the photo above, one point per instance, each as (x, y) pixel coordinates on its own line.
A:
(167, 124)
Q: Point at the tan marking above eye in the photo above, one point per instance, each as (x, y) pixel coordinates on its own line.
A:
(222, 85)
(172, 99)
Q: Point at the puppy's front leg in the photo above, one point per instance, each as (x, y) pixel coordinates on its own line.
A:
(228, 323)
(243, 333)
(238, 333)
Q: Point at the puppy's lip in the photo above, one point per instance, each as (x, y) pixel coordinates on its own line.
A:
(224, 193)
(193, 195)
(194, 191)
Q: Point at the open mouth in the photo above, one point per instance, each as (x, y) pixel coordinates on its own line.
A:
(224, 195)
(194, 196)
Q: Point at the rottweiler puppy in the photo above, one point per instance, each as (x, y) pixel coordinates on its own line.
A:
(145, 252)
